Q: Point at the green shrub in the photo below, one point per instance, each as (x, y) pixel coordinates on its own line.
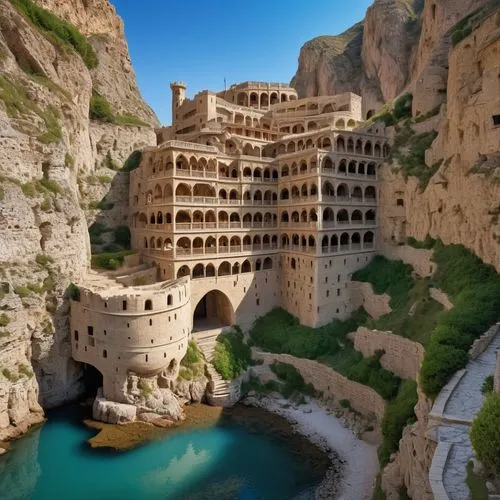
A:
(132, 162)
(29, 189)
(402, 107)
(476, 484)
(459, 35)
(345, 403)
(399, 413)
(474, 288)
(487, 386)
(51, 186)
(22, 291)
(69, 161)
(108, 260)
(122, 236)
(100, 109)
(232, 355)
(46, 204)
(193, 354)
(144, 388)
(485, 435)
(26, 370)
(73, 292)
(413, 161)
(369, 371)
(428, 243)
(104, 179)
(130, 120)
(43, 260)
(12, 377)
(63, 31)
(388, 276)
(108, 162)
(440, 363)
(4, 319)
(293, 380)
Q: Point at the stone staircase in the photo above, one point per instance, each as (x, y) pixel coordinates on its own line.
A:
(222, 393)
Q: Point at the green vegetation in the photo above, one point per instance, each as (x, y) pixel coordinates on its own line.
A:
(378, 492)
(427, 244)
(25, 370)
(100, 109)
(53, 133)
(69, 161)
(345, 403)
(132, 162)
(57, 30)
(232, 355)
(487, 386)
(73, 292)
(4, 319)
(412, 160)
(485, 435)
(293, 380)
(2, 193)
(474, 288)
(280, 332)
(399, 413)
(476, 484)
(95, 231)
(401, 110)
(109, 260)
(429, 114)
(131, 120)
(43, 260)
(101, 204)
(144, 388)
(11, 377)
(254, 384)
(22, 291)
(388, 276)
(414, 313)
(122, 236)
(192, 364)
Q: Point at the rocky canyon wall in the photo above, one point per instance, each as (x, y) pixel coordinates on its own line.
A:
(50, 155)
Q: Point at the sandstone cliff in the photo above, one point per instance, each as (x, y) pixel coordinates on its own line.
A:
(398, 42)
(50, 155)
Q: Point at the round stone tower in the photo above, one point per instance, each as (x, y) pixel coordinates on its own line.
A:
(178, 95)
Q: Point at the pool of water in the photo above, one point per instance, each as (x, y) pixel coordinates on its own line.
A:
(225, 461)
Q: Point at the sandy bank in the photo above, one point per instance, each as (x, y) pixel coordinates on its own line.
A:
(360, 463)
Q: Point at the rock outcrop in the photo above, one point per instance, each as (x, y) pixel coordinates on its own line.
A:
(51, 154)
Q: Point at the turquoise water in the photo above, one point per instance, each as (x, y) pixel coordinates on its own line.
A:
(227, 461)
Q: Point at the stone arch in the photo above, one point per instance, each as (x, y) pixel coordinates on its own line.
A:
(213, 310)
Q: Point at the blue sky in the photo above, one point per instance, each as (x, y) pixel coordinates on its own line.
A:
(203, 42)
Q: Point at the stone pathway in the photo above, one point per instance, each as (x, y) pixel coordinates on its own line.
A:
(452, 414)
(206, 341)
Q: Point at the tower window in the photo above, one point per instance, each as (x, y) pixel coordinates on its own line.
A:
(149, 305)
(104, 353)
(90, 330)
(124, 305)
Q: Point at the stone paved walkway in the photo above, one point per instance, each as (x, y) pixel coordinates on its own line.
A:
(460, 408)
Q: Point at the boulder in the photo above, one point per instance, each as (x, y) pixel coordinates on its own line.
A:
(111, 412)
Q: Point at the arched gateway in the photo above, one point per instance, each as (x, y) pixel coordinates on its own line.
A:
(214, 310)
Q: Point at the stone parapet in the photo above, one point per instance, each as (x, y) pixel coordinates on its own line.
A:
(362, 295)
(436, 472)
(402, 356)
(331, 383)
(479, 345)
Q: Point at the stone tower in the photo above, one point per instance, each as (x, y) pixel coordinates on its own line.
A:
(178, 96)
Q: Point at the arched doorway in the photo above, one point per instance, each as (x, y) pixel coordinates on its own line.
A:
(214, 310)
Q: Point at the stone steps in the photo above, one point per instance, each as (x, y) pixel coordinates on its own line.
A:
(221, 389)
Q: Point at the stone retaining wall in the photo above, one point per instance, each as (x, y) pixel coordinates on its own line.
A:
(418, 258)
(479, 345)
(362, 294)
(439, 296)
(402, 357)
(332, 384)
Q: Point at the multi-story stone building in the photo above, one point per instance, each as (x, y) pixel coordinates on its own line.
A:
(263, 199)
(253, 199)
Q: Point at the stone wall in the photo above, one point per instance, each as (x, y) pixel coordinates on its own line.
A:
(362, 294)
(402, 357)
(441, 297)
(418, 258)
(332, 384)
(479, 345)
